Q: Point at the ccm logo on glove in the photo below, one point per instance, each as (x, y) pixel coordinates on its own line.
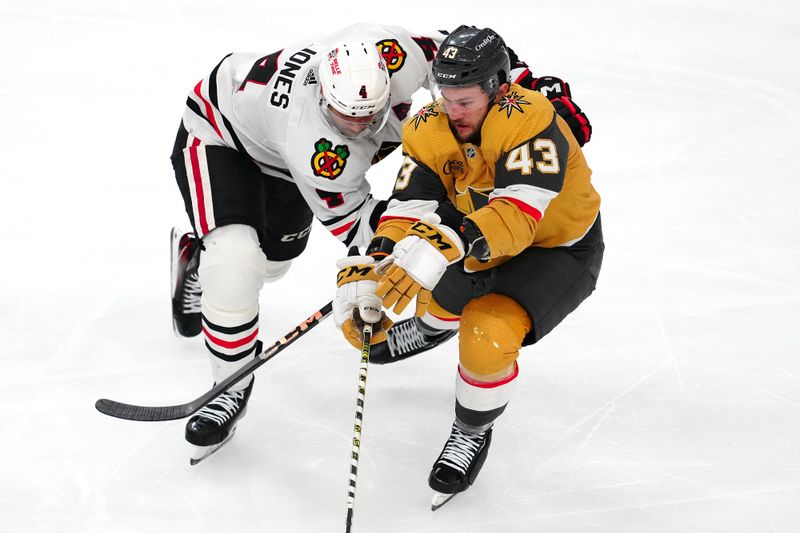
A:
(356, 273)
(431, 234)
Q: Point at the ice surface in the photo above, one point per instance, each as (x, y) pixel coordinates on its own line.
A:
(669, 402)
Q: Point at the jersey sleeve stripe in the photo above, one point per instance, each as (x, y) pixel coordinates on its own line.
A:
(341, 229)
(191, 104)
(351, 235)
(209, 109)
(525, 208)
(336, 220)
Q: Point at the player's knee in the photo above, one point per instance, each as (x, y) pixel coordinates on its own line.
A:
(491, 333)
(232, 268)
(275, 270)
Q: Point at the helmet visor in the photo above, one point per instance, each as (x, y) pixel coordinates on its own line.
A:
(465, 99)
(354, 127)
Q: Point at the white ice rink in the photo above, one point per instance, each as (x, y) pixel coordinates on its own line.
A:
(668, 403)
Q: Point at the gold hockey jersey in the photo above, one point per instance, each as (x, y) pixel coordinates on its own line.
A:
(526, 184)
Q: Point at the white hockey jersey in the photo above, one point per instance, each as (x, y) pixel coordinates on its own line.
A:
(267, 107)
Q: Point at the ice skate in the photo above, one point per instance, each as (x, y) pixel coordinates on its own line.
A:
(214, 425)
(407, 338)
(185, 285)
(458, 464)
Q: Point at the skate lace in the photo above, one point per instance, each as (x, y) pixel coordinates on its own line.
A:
(461, 449)
(404, 337)
(191, 293)
(223, 408)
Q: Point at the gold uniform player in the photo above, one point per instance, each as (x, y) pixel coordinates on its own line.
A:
(493, 226)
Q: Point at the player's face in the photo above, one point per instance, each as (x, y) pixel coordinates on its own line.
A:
(350, 126)
(466, 107)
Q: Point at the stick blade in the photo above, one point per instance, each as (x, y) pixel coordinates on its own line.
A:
(142, 413)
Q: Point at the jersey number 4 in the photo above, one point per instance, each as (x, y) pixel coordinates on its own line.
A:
(520, 158)
(262, 70)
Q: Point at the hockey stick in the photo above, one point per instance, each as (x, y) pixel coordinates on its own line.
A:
(175, 412)
(362, 390)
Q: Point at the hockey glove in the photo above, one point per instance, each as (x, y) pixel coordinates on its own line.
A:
(559, 94)
(419, 261)
(475, 241)
(356, 302)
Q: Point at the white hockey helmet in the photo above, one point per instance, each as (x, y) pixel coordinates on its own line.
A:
(355, 85)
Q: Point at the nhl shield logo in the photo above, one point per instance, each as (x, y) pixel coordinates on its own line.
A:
(329, 162)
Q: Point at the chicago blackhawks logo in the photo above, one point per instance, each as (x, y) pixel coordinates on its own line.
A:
(326, 162)
(511, 102)
(393, 55)
(424, 114)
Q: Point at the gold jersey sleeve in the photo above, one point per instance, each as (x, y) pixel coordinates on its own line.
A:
(526, 183)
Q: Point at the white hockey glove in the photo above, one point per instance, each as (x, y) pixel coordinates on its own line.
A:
(355, 301)
(420, 259)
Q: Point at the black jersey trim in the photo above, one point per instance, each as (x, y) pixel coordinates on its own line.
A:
(191, 104)
(336, 220)
(212, 83)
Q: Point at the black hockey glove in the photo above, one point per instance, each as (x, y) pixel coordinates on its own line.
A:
(559, 94)
(474, 241)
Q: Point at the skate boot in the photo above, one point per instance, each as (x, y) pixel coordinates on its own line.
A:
(215, 424)
(186, 290)
(458, 464)
(407, 338)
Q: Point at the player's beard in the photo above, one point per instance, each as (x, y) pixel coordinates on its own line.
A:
(472, 138)
(475, 136)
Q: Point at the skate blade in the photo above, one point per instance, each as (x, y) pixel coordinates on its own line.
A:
(201, 453)
(174, 236)
(440, 499)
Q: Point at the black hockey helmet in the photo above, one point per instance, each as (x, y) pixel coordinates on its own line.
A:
(472, 56)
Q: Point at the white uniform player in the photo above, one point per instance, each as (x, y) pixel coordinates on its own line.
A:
(268, 108)
(266, 143)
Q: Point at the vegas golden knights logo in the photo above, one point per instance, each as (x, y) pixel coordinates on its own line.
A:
(513, 101)
(424, 114)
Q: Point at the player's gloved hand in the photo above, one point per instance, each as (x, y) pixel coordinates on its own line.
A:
(560, 95)
(475, 241)
(356, 302)
(419, 261)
